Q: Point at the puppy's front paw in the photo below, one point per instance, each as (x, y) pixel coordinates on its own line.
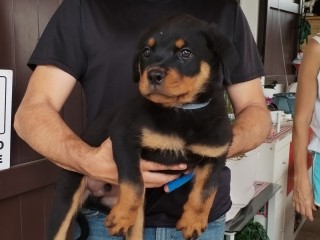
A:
(119, 221)
(192, 225)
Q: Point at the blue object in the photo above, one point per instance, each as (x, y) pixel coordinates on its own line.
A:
(316, 178)
(178, 182)
(285, 102)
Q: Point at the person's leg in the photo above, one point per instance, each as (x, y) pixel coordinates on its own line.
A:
(214, 231)
(98, 231)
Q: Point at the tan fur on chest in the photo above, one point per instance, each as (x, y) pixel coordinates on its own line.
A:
(164, 142)
(155, 140)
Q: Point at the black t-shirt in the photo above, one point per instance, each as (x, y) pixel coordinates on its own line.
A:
(95, 40)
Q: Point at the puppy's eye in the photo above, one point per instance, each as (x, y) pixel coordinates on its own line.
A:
(185, 53)
(146, 51)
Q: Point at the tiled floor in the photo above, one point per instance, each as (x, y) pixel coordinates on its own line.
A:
(311, 230)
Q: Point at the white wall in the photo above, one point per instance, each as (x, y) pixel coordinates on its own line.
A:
(251, 10)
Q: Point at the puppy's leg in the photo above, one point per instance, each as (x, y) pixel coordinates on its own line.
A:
(126, 217)
(136, 232)
(67, 200)
(194, 218)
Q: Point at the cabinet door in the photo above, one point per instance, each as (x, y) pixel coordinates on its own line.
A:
(281, 161)
(243, 176)
(276, 211)
(289, 219)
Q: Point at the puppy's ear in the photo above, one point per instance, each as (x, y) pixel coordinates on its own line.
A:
(136, 66)
(221, 45)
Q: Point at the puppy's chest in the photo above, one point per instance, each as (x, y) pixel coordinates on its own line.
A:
(180, 145)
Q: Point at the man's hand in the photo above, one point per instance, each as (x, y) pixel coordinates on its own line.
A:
(104, 170)
(100, 165)
(153, 179)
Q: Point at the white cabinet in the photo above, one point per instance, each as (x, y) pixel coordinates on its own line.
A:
(274, 159)
(267, 163)
(243, 176)
(272, 167)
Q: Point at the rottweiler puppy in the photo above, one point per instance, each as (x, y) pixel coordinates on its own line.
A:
(180, 117)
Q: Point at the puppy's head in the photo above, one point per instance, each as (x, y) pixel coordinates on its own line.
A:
(182, 60)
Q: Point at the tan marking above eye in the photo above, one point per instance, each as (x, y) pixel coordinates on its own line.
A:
(180, 43)
(155, 140)
(151, 42)
(208, 151)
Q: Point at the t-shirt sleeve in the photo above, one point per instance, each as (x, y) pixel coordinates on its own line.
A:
(249, 66)
(61, 43)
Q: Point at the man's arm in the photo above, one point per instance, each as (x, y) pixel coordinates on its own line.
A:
(253, 121)
(38, 122)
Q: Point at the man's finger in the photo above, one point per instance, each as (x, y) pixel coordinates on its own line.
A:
(152, 179)
(154, 166)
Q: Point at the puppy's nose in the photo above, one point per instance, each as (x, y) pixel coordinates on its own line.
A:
(156, 76)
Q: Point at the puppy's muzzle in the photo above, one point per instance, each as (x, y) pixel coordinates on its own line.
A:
(156, 76)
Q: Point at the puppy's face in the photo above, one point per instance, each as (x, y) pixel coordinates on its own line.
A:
(175, 62)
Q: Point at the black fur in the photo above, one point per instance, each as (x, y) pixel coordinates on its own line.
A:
(170, 58)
